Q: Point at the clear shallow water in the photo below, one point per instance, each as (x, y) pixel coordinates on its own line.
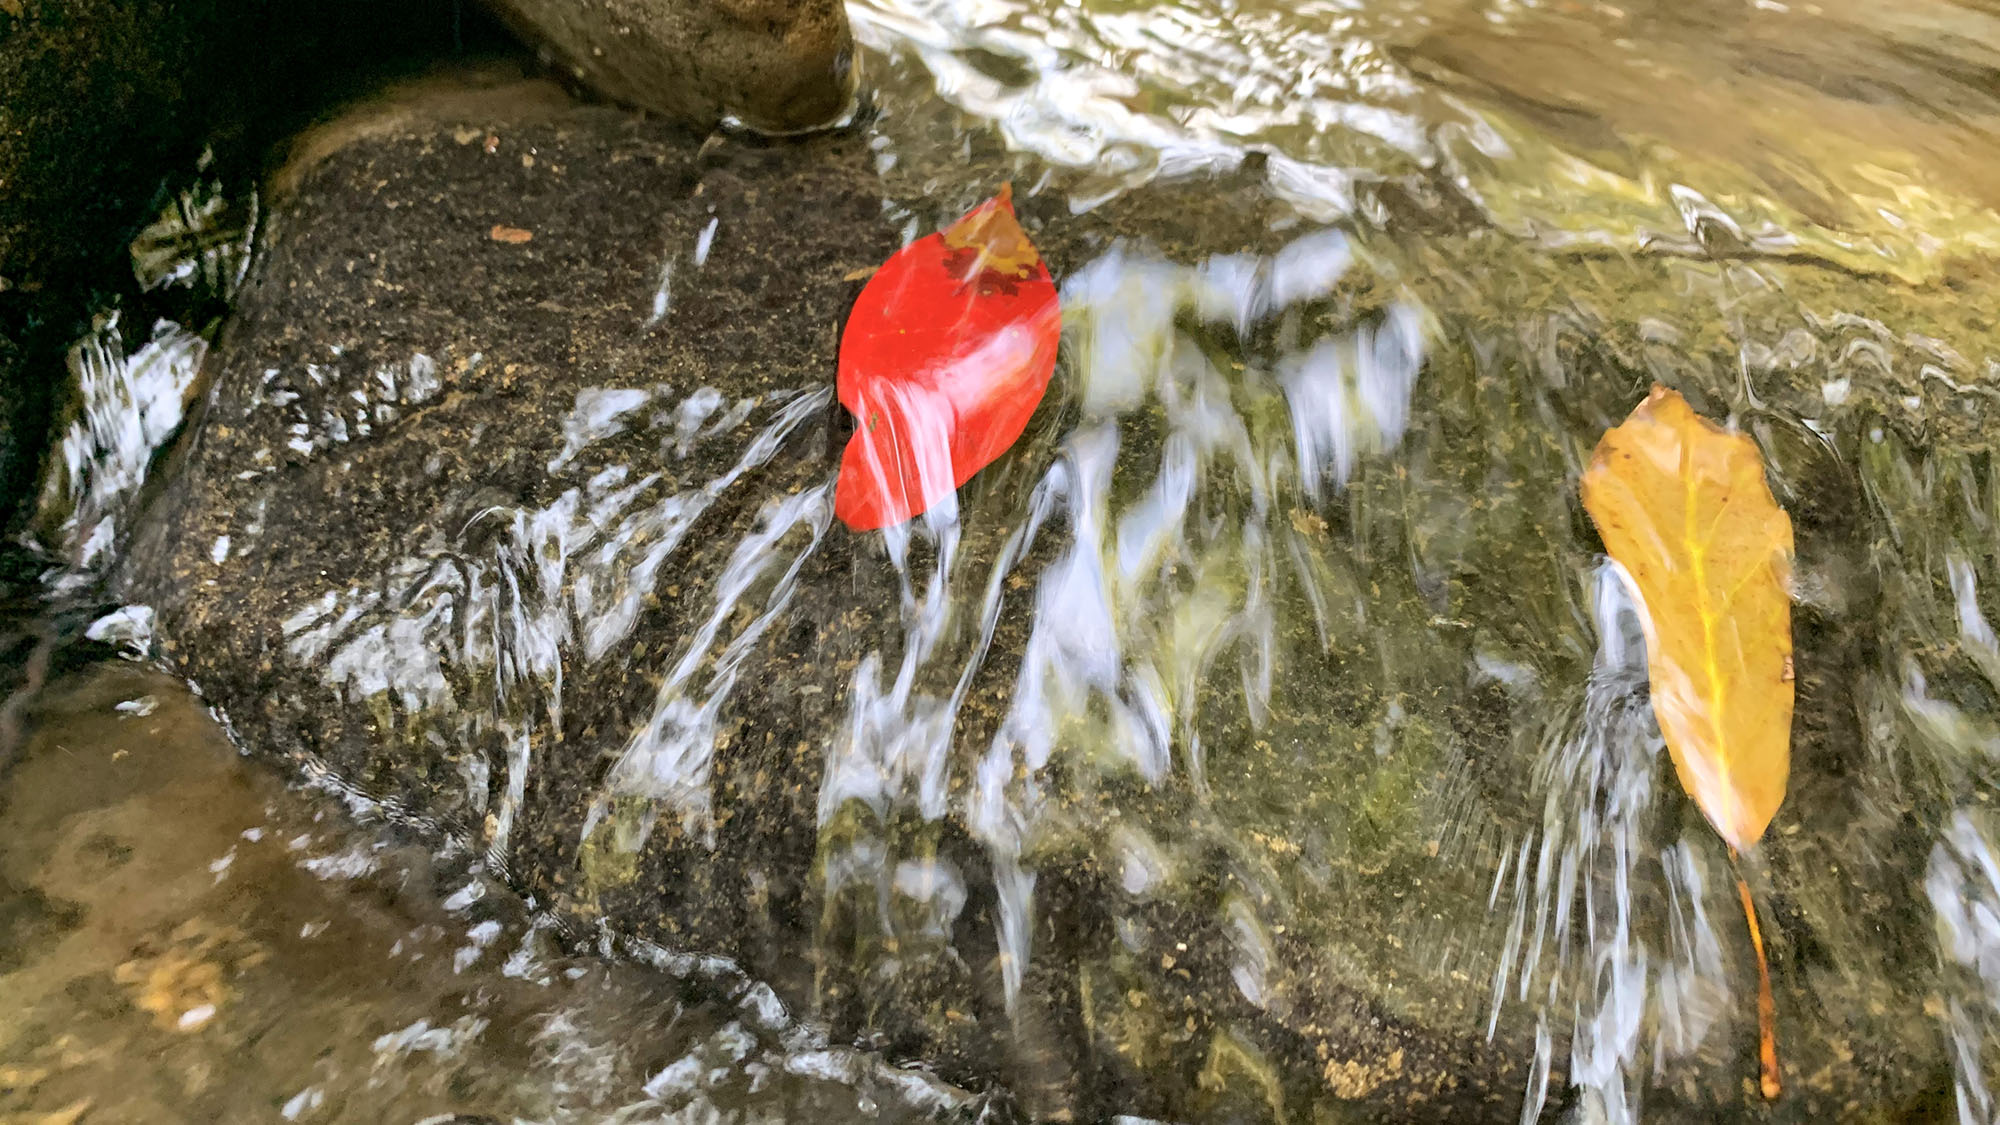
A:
(1843, 131)
(190, 940)
(1295, 576)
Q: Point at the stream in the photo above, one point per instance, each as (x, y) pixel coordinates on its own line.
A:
(1264, 738)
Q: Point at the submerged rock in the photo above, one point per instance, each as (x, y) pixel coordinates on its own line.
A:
(1255, 743)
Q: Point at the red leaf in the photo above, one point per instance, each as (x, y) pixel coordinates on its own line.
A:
(945, 357)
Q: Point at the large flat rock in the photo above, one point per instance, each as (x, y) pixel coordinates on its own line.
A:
(1197, 769)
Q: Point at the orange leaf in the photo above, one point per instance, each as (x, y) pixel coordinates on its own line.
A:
(1683, 507)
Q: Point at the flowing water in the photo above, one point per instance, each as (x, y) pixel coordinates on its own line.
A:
(1285, 615)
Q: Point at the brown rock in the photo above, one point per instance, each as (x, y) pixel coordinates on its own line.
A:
(776, 65)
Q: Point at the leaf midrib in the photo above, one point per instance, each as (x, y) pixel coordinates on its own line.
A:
(1698, 556)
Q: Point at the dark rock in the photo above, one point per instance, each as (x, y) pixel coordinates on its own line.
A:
(447, 383)
(103, 104)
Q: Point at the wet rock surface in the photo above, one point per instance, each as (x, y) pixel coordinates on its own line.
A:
(510, 505)
(490, 406)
